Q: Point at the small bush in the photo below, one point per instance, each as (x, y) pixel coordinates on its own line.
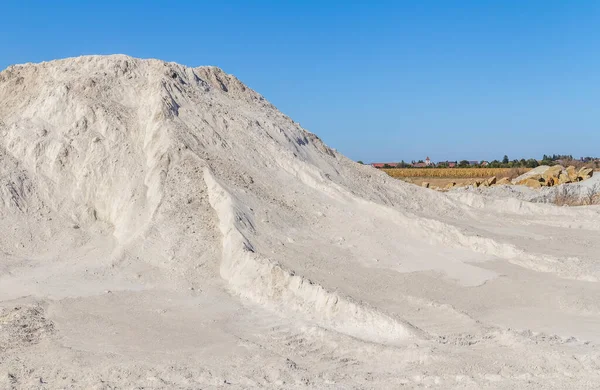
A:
(592, 196)
(567, 196)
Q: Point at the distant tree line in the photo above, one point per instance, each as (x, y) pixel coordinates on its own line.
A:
(506, 163)
(554, 159)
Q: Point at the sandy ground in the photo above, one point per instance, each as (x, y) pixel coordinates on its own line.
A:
(165, 227)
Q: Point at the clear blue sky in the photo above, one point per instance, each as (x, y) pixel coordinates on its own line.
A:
(470, 79)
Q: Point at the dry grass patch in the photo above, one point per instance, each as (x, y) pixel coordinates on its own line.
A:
(455, 173)
(568, 196)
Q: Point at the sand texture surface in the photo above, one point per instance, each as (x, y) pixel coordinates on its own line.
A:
(165, 227)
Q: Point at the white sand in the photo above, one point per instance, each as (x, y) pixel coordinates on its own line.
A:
(165, 227)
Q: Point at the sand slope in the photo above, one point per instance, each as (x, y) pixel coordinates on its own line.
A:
(167, 227)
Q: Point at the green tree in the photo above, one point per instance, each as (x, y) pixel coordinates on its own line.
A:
(360, 162)
(505, 160)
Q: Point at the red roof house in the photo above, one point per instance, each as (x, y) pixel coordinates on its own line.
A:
(381, 165)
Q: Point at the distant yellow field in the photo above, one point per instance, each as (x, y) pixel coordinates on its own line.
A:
(455, 172)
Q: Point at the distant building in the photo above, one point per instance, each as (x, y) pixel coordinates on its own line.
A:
(485, 163)
(474, 162)
(382, 165)
(449, 164)
(420, 164)
(424, 164)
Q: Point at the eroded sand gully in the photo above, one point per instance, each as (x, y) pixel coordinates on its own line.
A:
(167, 227)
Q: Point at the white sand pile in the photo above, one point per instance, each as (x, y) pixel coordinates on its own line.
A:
(166, 227)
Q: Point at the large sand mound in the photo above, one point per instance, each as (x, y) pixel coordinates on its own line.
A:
(166, 227)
